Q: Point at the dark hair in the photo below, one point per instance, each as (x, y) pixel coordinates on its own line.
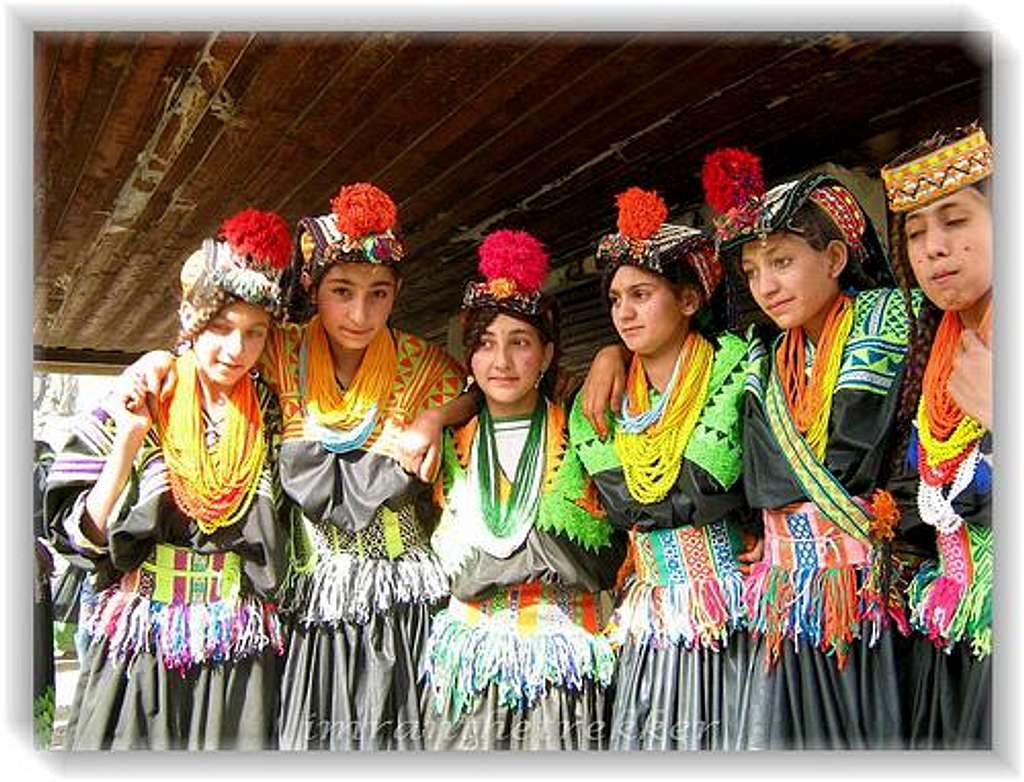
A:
(711, 318)
(298, 301)
(475, 322)
(812, 224)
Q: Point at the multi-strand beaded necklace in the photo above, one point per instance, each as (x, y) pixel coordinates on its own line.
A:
(810, 400)
(345, 419)
(650, 441)
(214, 485)
(948, 440)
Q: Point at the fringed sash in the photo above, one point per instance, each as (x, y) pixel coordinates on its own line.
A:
(186, 606)
(687, 589)
(525, 639)
(951, 600)
(817, 583)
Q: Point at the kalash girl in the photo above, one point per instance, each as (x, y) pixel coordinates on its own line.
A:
(516, 660)
(364, 582)
(182, 498)
(818, 417)
(941, 234)
(670, 477)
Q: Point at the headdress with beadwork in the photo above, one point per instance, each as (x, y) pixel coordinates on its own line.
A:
(743, 211)
(361, 228)
(645, 240)
(244, 263)
(514, 265)
(937, 167)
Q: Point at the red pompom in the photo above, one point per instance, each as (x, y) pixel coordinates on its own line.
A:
(362, 209)
(514, 255)
(641, 213)
(263, 236)
(731, 177)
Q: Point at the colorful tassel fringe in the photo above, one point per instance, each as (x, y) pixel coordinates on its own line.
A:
(185, 635)
(463, 660)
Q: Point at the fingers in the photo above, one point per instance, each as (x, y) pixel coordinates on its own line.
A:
(618, 389)
(429, 465)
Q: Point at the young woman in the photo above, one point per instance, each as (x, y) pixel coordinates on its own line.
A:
(669, 476)
(516, 660)
(363, 581)
(818, 417)
(941, 235)
(182, 498)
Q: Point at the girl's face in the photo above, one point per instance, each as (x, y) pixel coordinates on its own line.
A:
(950, 248)
(507, 364)
(793, 283)
(648, 312)
(354, 301)
(230, 344)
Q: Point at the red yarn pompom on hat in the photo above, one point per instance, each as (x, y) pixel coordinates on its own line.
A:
(363, 209)
(641, 213)
(263, 236)
(731, 177)
(514, 255)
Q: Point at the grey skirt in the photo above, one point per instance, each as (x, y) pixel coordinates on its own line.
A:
(144, 705)
(674, 698)
(353, 686)
(806, 702)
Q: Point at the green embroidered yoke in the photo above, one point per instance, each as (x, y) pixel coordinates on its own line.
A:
(715, 444)
(568, 504)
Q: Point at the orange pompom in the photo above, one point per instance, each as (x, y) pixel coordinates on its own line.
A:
(885, 513)
(362, 209)
(641, 213)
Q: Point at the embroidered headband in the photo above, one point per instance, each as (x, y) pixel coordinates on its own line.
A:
(645, 240)
(246, 263)
(514, 265)
(937, 167)
(734, 189)
(360, 229)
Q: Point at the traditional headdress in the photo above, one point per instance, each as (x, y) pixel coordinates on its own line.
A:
(645, 240)
(734, 189)
(514, 265)
(360, 229)
(937, 167)
(244, 263)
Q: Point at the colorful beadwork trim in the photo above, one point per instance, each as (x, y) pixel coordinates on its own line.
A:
(938, 173)
(687, 589)
(524, 639)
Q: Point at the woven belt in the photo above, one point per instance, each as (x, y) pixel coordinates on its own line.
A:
(800, 537)
(390, 535)
(532, 607)
(172, 574)
(665, 557)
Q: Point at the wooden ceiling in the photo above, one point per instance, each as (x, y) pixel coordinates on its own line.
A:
(146, 141)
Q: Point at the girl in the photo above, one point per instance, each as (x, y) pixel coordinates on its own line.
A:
(817, 417)
(942, 238)
(669, 477)
(516, 661)
(182, 498)
(363, 581)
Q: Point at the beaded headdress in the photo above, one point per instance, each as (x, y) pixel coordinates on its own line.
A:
(734, 189)
(645, 240)
(245, 263)
(514, 265)
(937, 167)
(361, 228)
